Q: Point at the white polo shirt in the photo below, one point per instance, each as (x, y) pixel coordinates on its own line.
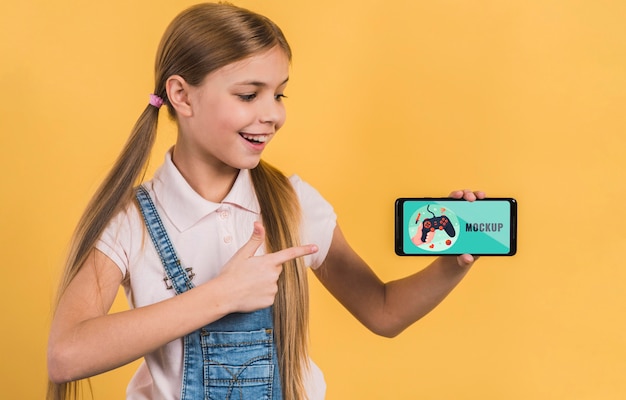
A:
(205, 235)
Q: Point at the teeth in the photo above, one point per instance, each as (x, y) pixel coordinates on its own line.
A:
(256, 138)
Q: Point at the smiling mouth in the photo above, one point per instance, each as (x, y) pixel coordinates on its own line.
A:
(255, 138)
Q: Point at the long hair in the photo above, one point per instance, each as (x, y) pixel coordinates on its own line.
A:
(198, 41)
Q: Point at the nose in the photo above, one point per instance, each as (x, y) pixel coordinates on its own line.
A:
(272, 111)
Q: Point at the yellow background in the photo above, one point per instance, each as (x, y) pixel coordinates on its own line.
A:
(386, 99)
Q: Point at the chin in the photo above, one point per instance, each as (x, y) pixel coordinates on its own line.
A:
(249, 164)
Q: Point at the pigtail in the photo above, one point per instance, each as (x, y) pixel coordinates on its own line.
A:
(112, 196)
(281, 215)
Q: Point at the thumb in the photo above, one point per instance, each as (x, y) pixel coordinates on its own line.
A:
(256, 240)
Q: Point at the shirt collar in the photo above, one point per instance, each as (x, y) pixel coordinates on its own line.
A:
(185, 207)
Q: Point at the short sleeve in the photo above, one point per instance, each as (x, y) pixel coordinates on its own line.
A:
(318, 220)
(116, 242)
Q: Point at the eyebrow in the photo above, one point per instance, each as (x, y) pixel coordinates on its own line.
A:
(260, 84)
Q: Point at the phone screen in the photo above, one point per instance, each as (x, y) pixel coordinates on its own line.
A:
(444, 226)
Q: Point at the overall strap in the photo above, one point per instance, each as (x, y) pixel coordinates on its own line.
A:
(179, 278)
(180, 281)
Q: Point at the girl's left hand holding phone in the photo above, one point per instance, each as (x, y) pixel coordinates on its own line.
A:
(466, 260)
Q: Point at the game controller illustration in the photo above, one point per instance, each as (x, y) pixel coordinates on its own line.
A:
(437, 223)
(433, 234)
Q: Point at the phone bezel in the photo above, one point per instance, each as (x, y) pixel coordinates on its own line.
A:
(399, 230)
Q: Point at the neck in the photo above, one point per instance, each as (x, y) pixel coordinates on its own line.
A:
(212, 182)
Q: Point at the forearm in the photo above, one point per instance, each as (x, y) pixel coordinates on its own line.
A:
(85, 340)
(387, 308)
(102, 343)
(409, 299)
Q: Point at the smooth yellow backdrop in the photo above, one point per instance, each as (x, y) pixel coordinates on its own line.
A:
(386, 99)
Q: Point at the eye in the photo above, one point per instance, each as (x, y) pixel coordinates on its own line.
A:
(280, 97)
(247, 97)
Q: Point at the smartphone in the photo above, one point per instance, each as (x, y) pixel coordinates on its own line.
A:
(442, 226)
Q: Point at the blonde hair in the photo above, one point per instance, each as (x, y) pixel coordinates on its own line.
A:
(202, 39)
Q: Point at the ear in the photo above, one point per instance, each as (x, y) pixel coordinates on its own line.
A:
(178, 95)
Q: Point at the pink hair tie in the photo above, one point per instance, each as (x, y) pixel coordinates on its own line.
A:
(156, 101)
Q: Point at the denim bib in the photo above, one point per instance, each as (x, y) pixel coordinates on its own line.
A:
(232, 358)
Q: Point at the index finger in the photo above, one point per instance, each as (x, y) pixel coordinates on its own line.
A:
(290, 253)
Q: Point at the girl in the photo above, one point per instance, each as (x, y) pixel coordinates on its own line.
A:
(209, 251)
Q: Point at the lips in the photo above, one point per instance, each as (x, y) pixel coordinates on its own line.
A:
(255, 138)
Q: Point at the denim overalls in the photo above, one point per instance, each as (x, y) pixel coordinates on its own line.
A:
(232, 358)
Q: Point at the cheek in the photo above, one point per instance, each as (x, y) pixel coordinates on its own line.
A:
(239, 115)
(230, 117)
